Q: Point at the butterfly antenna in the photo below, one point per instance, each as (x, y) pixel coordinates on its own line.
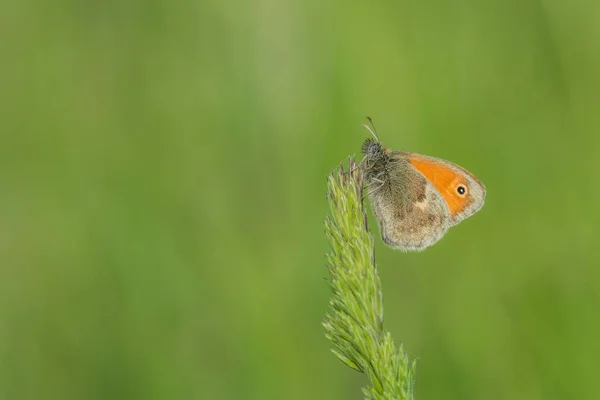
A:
(372, 129)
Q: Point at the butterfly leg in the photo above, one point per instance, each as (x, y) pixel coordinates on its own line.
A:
(359, 164)
(377, 188)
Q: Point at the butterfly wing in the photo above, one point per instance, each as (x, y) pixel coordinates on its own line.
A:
(412, 214)
(448, 179)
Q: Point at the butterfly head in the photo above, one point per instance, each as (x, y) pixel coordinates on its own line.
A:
(372, 148)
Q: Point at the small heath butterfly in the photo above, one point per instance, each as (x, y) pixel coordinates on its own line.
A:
(417, 198)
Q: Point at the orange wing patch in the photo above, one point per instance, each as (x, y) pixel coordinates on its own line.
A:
(445, 180)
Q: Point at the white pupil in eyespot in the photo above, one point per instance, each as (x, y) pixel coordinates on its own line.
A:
(461, 190)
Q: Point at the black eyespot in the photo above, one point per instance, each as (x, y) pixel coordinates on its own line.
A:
(461, 190)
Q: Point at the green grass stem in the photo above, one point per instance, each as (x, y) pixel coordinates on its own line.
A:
(354, 323)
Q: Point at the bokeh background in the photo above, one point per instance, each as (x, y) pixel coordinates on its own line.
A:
(162, 194)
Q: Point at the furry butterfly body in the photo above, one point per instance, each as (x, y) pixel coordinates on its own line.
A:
(417, 198)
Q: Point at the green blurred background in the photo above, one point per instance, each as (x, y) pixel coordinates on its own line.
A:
(162, 175)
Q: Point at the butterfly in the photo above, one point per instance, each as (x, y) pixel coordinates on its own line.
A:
(416, 198)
